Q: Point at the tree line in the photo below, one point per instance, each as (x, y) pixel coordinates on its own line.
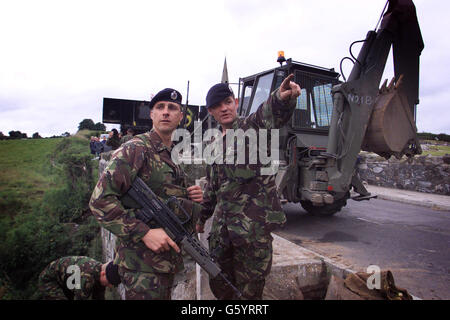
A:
(13, 135)
(88, 124)
(85, 124)
(432, 136)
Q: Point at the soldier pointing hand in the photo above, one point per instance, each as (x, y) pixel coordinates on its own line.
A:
(289, 89)
(244, 202)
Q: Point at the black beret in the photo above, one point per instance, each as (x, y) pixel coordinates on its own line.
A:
(112, 274)
(217, 94)
(167, 94)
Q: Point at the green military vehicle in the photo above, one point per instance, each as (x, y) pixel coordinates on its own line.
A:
(335, 120)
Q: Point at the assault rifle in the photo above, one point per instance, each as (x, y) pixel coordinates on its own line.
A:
(152, 208)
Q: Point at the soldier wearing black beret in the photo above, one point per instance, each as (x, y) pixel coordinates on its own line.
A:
(217, 94)
(76, 278)
(167, 94)
(147, 257)
(244, 200)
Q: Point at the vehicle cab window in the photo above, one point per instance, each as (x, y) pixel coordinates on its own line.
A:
(262, 92)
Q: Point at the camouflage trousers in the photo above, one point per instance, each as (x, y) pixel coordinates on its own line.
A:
(146, 285)
(246, 266)
(52, 291)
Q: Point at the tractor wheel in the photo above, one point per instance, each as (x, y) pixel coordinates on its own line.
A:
(326, 210)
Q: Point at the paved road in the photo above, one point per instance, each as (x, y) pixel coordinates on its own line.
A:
(411, 241)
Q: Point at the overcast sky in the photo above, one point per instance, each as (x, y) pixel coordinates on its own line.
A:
(58, 59)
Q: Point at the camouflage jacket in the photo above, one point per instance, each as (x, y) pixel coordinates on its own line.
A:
(126, 138)
(239, 196)
(58, 282)
(147, 157)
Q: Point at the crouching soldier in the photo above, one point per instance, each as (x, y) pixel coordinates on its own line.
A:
(77, 278)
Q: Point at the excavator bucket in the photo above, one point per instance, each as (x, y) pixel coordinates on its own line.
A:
(391, 129)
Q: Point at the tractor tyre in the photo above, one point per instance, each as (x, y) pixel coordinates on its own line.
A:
(326, 210)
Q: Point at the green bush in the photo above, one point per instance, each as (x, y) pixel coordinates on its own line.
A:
(28, 248)
(36, 241)
(69, 201)
(67, 204)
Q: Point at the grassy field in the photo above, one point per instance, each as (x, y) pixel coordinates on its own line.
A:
(24, 172)
(45, 186)
(437, 150)
(434, 149)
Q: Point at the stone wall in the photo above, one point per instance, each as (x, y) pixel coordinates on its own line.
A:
(429, 174)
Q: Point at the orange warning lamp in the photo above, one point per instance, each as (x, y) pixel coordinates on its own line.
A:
(281, 57)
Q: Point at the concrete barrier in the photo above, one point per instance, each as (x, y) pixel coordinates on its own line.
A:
(108, 239)
(297, 273)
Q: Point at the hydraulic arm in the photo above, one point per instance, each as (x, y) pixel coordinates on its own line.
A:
(374, 119)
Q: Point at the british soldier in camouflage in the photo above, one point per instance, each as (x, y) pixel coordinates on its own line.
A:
(244, 202)
(147, 257)
(76, 278)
